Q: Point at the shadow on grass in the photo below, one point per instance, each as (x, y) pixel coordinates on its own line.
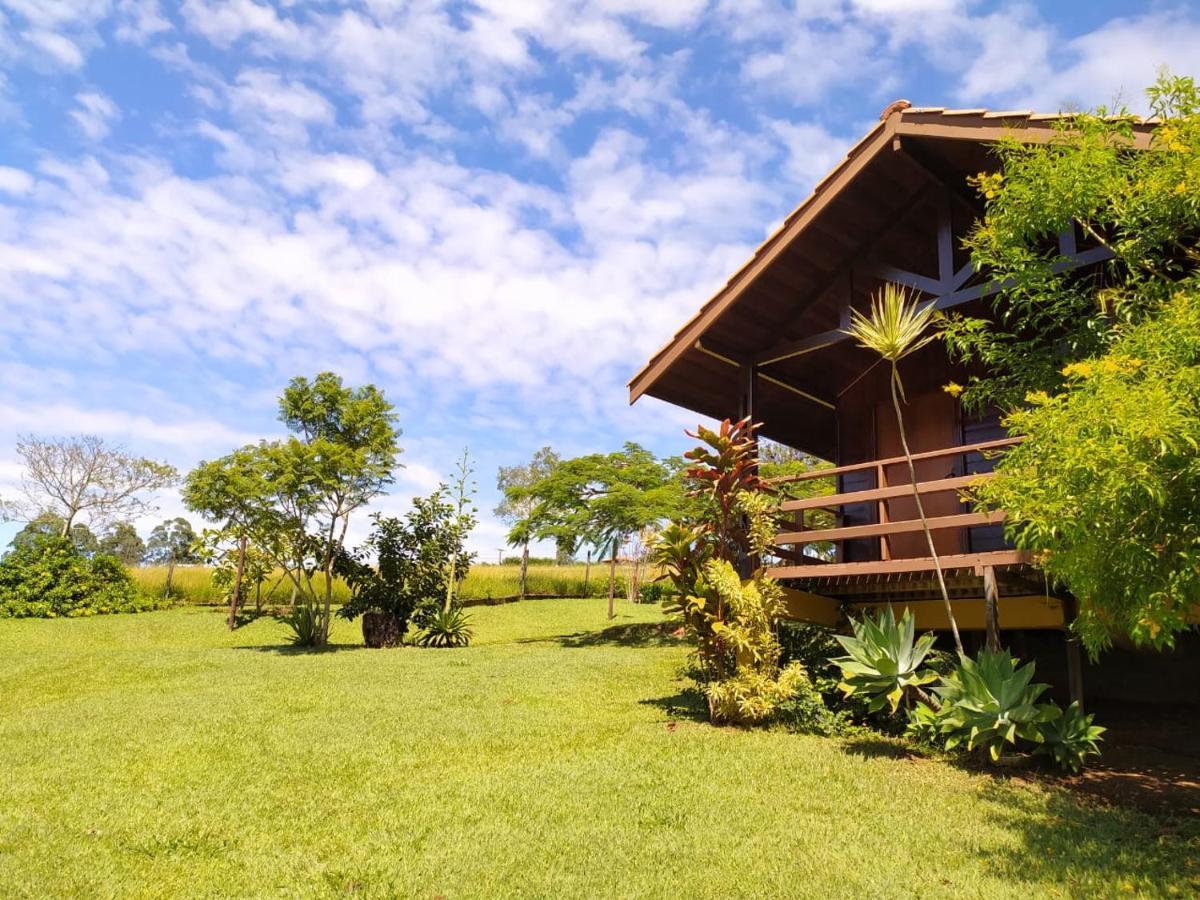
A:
(639, 634)
(290, 650)
(1089, 848)
(878, 747)
(690, 703)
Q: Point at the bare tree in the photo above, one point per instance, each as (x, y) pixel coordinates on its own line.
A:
(85, 476)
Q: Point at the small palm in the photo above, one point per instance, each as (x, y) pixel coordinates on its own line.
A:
(898, 326)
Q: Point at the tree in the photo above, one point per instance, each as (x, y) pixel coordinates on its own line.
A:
(171, 543)
(895, 329)
(123, 542)
(605, 498)
(1087, 186)
(48, 524)
(86, 476)
(518, 504)
(1097, 367)
(294, 497)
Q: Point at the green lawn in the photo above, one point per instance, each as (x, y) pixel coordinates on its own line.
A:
(158, 755)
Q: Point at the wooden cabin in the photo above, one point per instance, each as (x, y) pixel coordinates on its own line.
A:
(771, 345)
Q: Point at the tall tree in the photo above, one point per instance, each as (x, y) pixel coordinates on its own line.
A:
(605, 498)
(87, 476)
(123, 542)
(172, 543)
(294, 497)
(517, 504)
(48, 524)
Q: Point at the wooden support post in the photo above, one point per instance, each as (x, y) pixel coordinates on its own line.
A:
(885, 549)
(1074, 654)
(991, 599)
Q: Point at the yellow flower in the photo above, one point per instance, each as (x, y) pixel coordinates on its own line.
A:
(954, 389)
(1075, 370)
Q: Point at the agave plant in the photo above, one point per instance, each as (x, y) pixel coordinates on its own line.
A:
(1070, 738)
(895, 328)
(988, 703)
(447, 628)
(305, 622)
(883, 659)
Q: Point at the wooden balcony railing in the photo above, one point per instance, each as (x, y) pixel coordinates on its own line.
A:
(790, 543)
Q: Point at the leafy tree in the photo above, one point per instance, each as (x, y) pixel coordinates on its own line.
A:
(293, 498)
(605, 498)
(48, 524)
(1106, 486)
(518, 504)
(87, 476)
(171, 543)
(895, 328)
(1096, 367)
(1088, 184)
(414, 560)
(123, 542)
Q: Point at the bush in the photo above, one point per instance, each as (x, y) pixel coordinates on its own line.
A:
(447, 628)
(653, 592)
(49, 578)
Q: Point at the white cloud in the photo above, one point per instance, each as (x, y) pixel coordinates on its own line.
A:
(55, 47)
(15, 181)
(94, 113)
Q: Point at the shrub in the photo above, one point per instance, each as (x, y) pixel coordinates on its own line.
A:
(447, 628)
(653, 592)
(1070, 739)
(305, 622)
(884, 661)
(49, 578)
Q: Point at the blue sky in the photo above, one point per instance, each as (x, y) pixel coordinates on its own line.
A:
(495, 210)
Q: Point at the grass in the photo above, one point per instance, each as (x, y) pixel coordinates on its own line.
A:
(193, 584)
(559, 756)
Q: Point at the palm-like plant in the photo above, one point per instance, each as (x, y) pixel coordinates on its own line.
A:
(883, 659)
(896, 327)
(447, 628)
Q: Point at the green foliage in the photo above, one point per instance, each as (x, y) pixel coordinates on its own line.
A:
(883, 660)
(412, 562)
(48, 524)
(123, 542)
(731, 619)
(600, 499)
(1142, 206)
(1069, 739)
(991, 704)
(49, 578)
(987, 703)
(293, 498)
(653, 592)
(306, 625)
(1106, 486)
(171, 541)
(447, 628)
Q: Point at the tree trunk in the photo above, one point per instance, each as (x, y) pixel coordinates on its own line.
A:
(587, 571)
(912, 475)
(524, 569)
(235, 600)
(170, 573)
(612, 581)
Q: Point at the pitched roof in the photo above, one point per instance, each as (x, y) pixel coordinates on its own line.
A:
(934, 125)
